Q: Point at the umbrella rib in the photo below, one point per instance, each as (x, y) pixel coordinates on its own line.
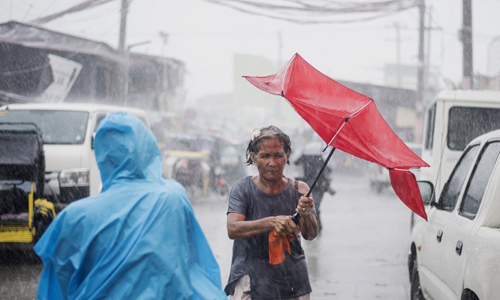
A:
(360, 109)
(347, 119)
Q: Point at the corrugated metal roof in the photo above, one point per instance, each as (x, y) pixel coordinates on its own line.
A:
(37, 37)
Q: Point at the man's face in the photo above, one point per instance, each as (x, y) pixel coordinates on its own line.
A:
(271, 159)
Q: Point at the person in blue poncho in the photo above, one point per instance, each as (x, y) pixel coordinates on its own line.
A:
(138, 239)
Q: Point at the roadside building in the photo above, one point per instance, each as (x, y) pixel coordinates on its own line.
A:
(26, 70)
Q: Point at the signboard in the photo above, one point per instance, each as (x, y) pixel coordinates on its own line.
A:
(64, 73)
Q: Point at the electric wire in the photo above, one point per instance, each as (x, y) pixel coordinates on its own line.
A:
(87, 4)
(314, 12)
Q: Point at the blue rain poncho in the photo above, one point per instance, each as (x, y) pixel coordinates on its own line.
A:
(138, 239)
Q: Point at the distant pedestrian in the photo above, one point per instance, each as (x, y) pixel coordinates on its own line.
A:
(268, 260)
(311, 161)
(138, 239)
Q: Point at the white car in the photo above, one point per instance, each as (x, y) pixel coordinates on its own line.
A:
(68, 132)
(456, 253)
(379, 176)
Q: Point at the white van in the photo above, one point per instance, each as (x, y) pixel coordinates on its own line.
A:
(451, 122)
(67, 131)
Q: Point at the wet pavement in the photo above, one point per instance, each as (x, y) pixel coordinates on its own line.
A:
(19, 273)
(360, 254)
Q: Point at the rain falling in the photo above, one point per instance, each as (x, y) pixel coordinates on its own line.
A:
(326, 149)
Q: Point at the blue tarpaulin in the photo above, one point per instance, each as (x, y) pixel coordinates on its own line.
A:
(138, 239)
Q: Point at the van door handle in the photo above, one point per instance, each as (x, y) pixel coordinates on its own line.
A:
(439, 235)
(459, 247)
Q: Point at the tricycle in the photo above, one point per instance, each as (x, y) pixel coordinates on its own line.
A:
(24, 213)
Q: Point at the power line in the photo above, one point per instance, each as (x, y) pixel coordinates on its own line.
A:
(103, 13)
(27, 12)
(76, 8)
(318, 11)
(47, 8)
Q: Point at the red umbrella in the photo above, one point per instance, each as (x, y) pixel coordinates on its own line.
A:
(346, 120)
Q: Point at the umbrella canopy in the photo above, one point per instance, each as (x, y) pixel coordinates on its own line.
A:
(346, 120)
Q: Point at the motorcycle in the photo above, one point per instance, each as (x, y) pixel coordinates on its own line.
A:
(191, 173)
(216, 184)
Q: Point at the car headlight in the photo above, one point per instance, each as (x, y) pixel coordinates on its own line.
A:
(74, 177)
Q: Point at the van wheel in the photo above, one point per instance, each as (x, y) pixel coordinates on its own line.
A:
(415, 289)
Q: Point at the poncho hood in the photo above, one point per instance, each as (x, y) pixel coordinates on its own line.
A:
(126, 150)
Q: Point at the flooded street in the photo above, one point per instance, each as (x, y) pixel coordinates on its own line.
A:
(360, 254)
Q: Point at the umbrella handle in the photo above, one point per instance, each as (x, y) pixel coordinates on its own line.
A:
(296, 216)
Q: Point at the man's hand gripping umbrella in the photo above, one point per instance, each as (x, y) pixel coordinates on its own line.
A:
(346, 120)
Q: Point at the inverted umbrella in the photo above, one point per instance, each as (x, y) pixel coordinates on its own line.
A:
(346, 120)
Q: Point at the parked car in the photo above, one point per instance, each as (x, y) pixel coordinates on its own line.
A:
(379, 176)
(456, 253)
(67, 131)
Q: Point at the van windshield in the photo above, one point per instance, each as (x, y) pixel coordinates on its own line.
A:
(467, 123)
(57, 126)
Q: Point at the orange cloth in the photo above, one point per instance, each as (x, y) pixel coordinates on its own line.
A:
(278, 245)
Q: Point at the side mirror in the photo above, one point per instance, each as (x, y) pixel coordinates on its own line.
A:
(92, 141)
(427, 192)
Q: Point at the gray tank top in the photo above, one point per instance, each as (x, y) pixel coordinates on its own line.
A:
(251, 256)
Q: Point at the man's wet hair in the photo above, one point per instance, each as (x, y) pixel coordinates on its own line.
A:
(264, 133)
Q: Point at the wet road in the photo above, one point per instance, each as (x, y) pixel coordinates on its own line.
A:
(19, 273)
(361, 253)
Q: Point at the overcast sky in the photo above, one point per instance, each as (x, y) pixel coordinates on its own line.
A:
(205, 36)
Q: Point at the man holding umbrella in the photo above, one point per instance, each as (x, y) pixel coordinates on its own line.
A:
(268, 260)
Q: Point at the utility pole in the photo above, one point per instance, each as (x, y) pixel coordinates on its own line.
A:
(123, 25)
(399, 68)
(420, 84)
(280, 49)
(124, 78)
(277, 106)
(426, 86)
(127, 69)
(164, 38)
(427, 63)
(466, 38)
(398, 54)
(419, 103)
